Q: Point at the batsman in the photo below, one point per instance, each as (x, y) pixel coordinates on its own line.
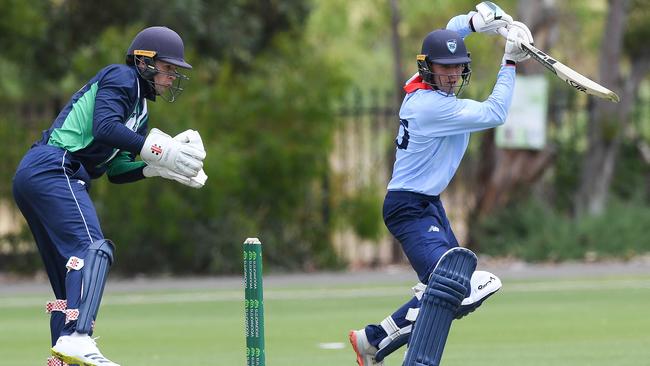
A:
(100, 130)
(434, 130)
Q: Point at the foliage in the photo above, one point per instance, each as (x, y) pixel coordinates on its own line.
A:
(267, 75)
(533, 231)
(266, 124)
(359, 38)
(362, 212)
(637, 31)
(632, 175)
(263, 154)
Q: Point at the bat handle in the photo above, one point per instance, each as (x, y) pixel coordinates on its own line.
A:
(504, 33)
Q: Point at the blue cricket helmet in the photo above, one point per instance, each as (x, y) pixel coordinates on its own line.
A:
(160, 43)
(445, 47)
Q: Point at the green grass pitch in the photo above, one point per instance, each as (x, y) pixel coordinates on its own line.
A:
(572, 322)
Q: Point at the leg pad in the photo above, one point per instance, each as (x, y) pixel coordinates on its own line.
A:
(448, 285)
(95, 272)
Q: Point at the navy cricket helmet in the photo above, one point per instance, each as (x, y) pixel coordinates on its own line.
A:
(443, 47)
(158, 43)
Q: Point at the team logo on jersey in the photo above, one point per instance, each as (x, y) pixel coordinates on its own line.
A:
(451, 45)
(434, 229)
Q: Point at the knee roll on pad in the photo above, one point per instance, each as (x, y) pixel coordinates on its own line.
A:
(448, 285)
(95, 272)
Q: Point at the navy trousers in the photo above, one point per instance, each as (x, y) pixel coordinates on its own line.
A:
(51, 191)
(420, 224)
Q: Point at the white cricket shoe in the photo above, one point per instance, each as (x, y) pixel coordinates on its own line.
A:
(483, 284)
(365, 351)
(80, 349)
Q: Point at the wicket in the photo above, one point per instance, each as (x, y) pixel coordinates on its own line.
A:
(253, 303)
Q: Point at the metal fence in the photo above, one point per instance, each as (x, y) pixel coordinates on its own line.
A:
(361, 161)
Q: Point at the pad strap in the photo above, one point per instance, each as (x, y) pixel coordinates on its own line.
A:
(397, 337)
(418, 290)
(56, 305)
(62, 307)
(412, 314)
(389, 325)
(53, 361)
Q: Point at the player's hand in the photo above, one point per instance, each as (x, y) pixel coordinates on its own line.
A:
(162, 151)
(193, 138)
(488, 17)
(195, 182)
(190, 137)
(517, 32)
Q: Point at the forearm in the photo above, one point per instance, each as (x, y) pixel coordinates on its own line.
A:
(460, 24)
(128, 177)
(501, 97)
(124, 169)
(118, 136)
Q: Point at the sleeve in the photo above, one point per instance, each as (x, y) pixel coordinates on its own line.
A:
(115, 100)
(124, 169)
(459, 116)
(460, 24)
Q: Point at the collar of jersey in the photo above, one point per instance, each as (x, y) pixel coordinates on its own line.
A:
(415, 84)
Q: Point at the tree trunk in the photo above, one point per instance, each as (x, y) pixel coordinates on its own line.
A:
(397, 52)
(606, 120)
(504, 172)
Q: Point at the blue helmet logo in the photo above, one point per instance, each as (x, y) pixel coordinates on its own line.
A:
(451, 45)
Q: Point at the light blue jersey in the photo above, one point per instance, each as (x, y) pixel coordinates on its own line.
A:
(434, 129)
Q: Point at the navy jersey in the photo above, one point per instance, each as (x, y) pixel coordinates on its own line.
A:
(103, 126)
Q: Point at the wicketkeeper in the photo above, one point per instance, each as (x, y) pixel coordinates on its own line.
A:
(434, 131)
(101, 130)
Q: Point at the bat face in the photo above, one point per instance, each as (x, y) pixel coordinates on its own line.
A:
(570, 76)
(539, 56)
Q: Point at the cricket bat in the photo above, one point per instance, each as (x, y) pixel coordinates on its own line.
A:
(564, 72)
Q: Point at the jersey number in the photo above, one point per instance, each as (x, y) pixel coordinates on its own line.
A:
(402, 140)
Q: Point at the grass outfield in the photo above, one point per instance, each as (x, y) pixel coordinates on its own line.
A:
(572, 322)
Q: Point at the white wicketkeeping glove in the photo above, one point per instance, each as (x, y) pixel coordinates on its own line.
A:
(194, 182)
(193, 138)
(190, 137)
(488, 17)
(517, 32)
(162, 151)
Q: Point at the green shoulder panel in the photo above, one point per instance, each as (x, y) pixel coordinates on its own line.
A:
(77, 130)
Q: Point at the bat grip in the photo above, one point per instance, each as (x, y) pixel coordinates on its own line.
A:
(504, 33)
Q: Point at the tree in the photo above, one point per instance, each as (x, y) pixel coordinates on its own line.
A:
(503, 173)
(608, 121)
